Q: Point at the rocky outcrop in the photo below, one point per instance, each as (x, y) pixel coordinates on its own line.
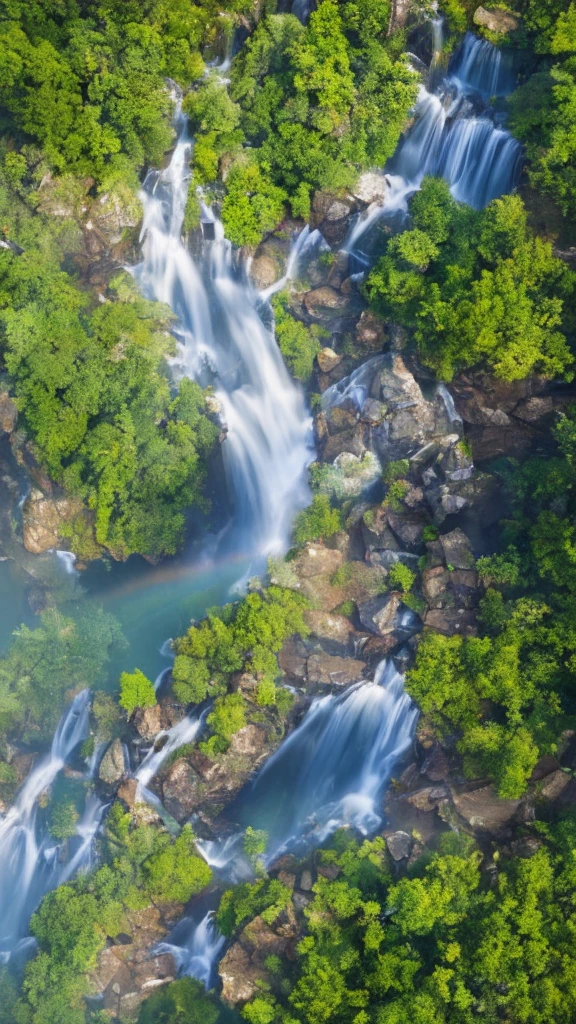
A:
(243, 969)
(128, 972)
(371, 187)
(113, 764)
(496, 20)
(332, 670)
(44, 517)
(8, 413)
(331, 215)
(380, 614)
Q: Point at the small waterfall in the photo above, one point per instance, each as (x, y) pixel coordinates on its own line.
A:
(165, 744)
(31, 861)
(196, 947)
(224, 343)
(305, 244)
(332, 770)
(455, 136)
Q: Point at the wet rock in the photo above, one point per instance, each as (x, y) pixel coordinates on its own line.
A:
(179, 790)
(43, 519)
(8, 413)
(407, 526)
(331, 216)
(266, 268)
(427, 799)
(112, 765)
(329, 670)
(306, 881)
(373, 412)
(554, 785)
(338, 271)
(399, 845)
(128, 792)
(329, 626)
(250, 741)
(534, 409)
(328, 360)
(484, 810)
(436, 767)
(329, 871)
(496, 20)
(456, 464)
(379, 615)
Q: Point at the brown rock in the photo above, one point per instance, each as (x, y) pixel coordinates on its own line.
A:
(496, 20)
(128, 792)
(112, 765)
(427, 799)
(484, 810)
(179, 789)
(451, 620)
(265, 270)
(370, 331)
(328, 360)
(408, 526)
(242, 969)
(324, 298)
(330, 626)
(249, 741)
(554, 785)
(436, 766)
(533, 409)
(148, 721)
(328, 670)
(317, 560)
(292, 659)
(43, 519)
(8, 413)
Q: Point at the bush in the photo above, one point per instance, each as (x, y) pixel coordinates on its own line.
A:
(177, 872)
(400, 577)
(136, 691)
(298, 343)
(317, 521)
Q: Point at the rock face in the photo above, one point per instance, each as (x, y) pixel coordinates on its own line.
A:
(112, 765)
(332, 216)
(371, 188)
(127, 973)
(496, 20)
(243, 969)
(8, 413)
(328, 670)
(379, 615)
(484, 811)
(43, 519)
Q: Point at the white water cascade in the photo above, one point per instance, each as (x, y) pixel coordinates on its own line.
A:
(331, 771)
(196, 947)
(31, 861)
(223, 342)
(455, 135)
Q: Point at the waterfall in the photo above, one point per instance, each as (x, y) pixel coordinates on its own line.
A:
(196, 946)
(31, 861)
(454, 135)
(167, 743)
(223, 342)
(331, 771)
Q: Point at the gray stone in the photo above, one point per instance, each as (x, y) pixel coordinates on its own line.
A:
(112, 766)
(329, 670)
(496, 20)
(379, 614)
(399, 845)
(457, 549)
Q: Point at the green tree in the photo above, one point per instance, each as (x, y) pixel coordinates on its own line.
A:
(136, 691)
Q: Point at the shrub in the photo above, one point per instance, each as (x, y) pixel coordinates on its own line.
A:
(136, 691)
(316, 521)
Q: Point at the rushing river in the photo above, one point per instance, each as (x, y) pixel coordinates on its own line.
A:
(334, 767)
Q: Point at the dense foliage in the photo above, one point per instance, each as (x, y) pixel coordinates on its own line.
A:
(86, 80)
(298, 343)
(74, 923)
(441, 945)
(476, 287)
(62, 655)
(237, 638)
(315, 104)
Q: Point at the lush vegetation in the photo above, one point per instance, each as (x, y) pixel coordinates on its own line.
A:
(477, 288)
(61, 656)
(136, 691)
(298, 343)
(315, 104)
(439, 946)
(237, 638)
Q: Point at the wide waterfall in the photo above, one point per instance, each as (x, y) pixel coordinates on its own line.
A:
(223, 342)
(31, 862)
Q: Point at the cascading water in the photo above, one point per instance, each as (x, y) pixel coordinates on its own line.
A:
(455, 135)
(331, 771)
(224, 343)
(31, 862)
(196, 945)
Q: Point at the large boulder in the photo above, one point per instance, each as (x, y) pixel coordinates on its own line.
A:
(496, 20)
(243, 968)
(43, 520)
(485, 811)
(331, 215)
(328, 670)
(371, 187)
(179, 789)
(113, 765)
(330, 626)
(379, 615)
